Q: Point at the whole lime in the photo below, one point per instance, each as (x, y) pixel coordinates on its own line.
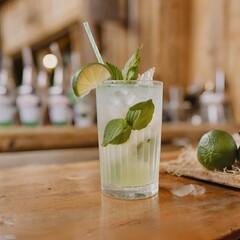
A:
(217, 150)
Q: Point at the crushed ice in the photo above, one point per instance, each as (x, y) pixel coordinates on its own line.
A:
(121, 97)
(6, 220)
(190, 189)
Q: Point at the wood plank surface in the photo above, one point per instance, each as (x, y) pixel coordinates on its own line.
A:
(232, 32)
(64, 201)
(44, 157)
(37, 21)
(23, 138)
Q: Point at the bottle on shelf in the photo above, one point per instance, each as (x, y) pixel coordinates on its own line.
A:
(43, 86)
(178, 109)
(84, 109)
(214, 105)
(28, 101)
(60, 110)
(7, 93)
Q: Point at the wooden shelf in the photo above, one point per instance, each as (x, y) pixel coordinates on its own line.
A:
(49, 137)
(193, 132)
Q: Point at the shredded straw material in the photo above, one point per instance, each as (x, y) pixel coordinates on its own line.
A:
(187, 165)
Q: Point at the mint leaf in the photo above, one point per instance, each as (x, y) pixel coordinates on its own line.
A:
(117, 131)
(116, 74)
(140, 114)
(130, 70)
(123, 137)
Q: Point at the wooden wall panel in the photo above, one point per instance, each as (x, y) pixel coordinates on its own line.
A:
(32, 21)
(114, 43)
(163, 29)
(174, 42)
(207, 40)
(233, 54)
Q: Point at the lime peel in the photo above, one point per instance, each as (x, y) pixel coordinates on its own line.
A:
(217, 150)
(88, 77)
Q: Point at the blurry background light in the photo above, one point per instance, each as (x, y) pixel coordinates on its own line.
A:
(50, 61)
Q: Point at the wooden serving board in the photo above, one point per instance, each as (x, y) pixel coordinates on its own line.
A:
(189, 166)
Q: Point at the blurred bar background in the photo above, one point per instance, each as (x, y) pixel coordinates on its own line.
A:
(193, 44)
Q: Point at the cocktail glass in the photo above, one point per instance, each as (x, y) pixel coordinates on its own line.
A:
(130, 170)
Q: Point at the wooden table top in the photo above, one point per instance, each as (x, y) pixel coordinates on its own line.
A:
(64, 202)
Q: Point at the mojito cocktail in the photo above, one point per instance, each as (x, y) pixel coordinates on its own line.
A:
(129, 116)
(130, 170)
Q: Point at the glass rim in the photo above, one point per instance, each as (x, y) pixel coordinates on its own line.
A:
(128, 82)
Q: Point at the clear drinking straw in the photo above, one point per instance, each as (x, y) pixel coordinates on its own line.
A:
(92, 41)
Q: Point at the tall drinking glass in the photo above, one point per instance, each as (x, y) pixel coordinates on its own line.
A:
(130, 170)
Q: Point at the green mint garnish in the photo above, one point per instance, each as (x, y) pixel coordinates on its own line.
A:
(130, 70)
(116, 74)
(140, 115)
(118, 131)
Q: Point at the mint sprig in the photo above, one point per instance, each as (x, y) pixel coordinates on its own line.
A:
(118, 131)
(116, 74)
(140, 115)
(130, 70)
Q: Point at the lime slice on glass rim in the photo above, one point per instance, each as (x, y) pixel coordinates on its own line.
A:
(88, 77)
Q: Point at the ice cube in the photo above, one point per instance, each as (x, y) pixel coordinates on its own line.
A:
(118, 97)
(190, 189)
(199, 190)
(148, 75)
(121, 93)
(122, 97)
(130, 100)
(182, 190)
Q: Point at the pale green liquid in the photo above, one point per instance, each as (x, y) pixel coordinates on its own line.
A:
(136, 162)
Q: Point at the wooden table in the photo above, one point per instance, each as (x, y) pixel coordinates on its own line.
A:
(64, 202)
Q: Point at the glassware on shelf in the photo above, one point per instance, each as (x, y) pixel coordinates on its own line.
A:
(43, 86)
(7, 93)
(177, 108)
(7, 108)
(28, 101)
(59, 105)
(60, 111)
(214, 106)
(84, 109)
(29, 107)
